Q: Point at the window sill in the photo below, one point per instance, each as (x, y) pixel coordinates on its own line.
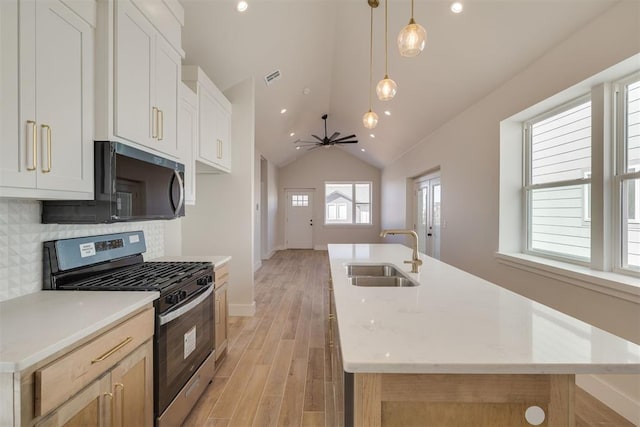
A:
(613, 284)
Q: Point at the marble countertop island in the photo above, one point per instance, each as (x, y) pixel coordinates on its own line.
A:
(457, 323)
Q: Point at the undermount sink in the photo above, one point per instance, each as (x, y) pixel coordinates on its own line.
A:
(380, 281)
(372, 270)
(378, 275)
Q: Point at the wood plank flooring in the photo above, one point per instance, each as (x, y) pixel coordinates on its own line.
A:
(276, 372)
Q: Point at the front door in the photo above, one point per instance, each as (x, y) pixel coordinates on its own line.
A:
(299, 220)
(427, 214)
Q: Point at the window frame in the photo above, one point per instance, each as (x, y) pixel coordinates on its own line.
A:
(621, 174)
(528, 188)
(354, 204)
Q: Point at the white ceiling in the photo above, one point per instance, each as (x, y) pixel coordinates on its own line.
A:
(324, 45)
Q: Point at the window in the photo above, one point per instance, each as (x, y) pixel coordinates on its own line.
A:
(300, 200)
(557, 185)
(347, 203)
(568, 217)
(628, 171)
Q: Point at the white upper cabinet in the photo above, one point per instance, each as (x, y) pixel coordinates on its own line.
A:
(214, 146)
(139, 103)
(47, 98)
(188, 135)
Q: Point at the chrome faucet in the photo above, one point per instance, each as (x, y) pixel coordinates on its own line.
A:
(415, 262)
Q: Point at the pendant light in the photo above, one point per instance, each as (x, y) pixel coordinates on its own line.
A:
(386, 88)
(370, 119)
(412, 38)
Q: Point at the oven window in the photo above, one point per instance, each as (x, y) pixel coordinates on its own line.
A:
(181, 347)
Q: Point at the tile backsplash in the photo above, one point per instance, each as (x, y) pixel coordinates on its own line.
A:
(22, 234)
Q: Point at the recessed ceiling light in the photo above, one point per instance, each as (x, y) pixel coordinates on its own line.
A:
(363, 150)
(306, 91)
(292, 134)
(456, 7)
(284, 110)
(298, 147)
(387, 112)
(242, 6)
(372, 135)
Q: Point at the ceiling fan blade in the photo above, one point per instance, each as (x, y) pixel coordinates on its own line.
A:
(313, 148)
(335, 135)
(300, 141)
(344, 138)
(347, 142)
(317, 137)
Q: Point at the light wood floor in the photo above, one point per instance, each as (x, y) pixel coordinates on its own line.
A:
(277, 367)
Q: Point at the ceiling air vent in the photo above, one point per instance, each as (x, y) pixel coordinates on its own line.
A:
(272, 77)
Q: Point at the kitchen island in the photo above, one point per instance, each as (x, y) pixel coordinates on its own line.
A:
(456, 349)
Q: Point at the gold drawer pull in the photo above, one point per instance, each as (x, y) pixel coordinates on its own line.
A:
(160, 131)
(113, 350)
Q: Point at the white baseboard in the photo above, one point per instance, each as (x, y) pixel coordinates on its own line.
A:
(270, 254)
(320, 248)
(245, 310)
(257, 265)
(624, 405)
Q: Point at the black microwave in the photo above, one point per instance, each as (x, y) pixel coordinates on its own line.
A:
(129, 185)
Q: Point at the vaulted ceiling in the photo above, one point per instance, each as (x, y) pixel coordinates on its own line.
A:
(323, 45)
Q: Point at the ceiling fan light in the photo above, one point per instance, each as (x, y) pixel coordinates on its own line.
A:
(412, 39)
(386, 89)
(370, 119)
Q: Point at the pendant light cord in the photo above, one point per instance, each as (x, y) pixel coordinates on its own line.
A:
(386, 52)
(412, 10)
(371, 60)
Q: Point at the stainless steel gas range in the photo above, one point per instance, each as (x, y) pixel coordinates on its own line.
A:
(184, 340)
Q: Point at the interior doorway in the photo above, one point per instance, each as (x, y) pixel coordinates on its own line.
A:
(427, 217)
(298, 230)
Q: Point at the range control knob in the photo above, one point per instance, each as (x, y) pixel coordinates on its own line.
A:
(204, 281)
(182, 295)
(172, 298)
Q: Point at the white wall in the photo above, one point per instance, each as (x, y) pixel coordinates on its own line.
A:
(222, 221)
(257, 218)
(467, 149)
(268, 207)
(311, 171)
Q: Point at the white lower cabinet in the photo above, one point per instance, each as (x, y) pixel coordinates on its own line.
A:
(47, 87)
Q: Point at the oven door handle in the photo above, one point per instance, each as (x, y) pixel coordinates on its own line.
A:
(166, 318)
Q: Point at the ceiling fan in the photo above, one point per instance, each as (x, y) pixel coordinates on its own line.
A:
(326, 141)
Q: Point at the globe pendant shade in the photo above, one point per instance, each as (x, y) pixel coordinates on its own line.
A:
(370, 120)
(386, 89)
(412, 39)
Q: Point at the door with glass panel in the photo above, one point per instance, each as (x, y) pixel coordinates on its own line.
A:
(299, 219)
(427, 214)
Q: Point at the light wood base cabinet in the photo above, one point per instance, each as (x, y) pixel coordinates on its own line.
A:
(105, 380)
(221, 313)
(122, 397)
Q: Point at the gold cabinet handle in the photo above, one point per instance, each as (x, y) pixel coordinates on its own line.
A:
(113, 350)
(48, 130)
(110, 396)
(34, 145)
(154, 123)
(330, 331)
(160, 125)
(219, 148)
(217, 311)
(121, 386)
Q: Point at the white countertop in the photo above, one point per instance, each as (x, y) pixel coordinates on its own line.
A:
(36, 326)
(455, 322)
(216, 260)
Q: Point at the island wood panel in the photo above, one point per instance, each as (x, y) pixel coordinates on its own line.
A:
(453, 400)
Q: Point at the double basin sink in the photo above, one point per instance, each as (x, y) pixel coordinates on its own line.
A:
(378, 275)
